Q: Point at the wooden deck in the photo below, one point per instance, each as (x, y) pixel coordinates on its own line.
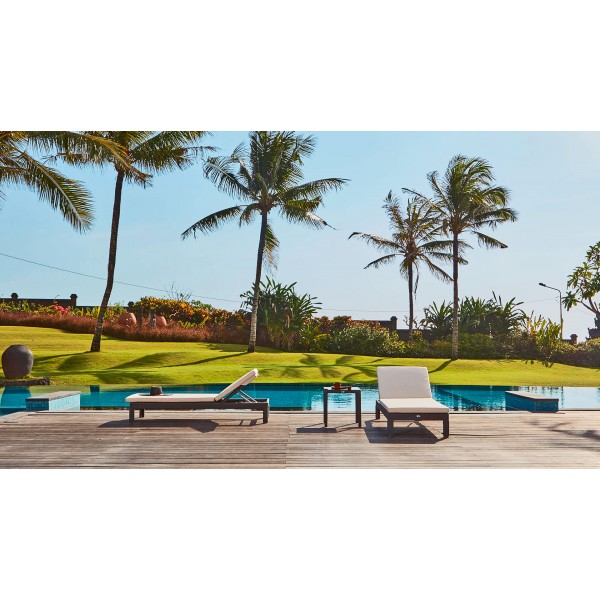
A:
(294, 439)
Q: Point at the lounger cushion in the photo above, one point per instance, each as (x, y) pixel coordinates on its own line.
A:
(413, 405)
(241, 382)
(171, 398)
(403, 382)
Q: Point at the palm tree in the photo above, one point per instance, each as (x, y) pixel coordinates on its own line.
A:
(19, 168)
(413, 242)
(466, 200)
(149, 153)
(266, 176)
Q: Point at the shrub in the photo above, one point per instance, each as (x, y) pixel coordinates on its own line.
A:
(581, 355)
(362, 338)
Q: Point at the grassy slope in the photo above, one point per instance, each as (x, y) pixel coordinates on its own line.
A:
(64, 357)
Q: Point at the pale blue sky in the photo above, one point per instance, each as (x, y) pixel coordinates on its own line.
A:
(553, 177)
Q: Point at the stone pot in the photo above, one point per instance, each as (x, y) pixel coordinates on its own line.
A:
(161, 322)
(17, 361)
(128, 319)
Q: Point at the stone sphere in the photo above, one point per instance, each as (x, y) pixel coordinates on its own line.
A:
(17, 361)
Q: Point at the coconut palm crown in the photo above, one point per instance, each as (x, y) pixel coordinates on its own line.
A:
(20, 168)
(413, 243)
(266, 176)
(466, 200)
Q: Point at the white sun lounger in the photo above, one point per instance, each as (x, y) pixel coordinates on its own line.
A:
(231, 398)
(405, 395)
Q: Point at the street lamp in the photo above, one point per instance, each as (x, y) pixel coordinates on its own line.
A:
(560, 301)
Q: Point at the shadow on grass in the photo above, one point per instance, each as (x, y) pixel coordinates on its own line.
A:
(44, 359)
(149, 360)
(442, 366)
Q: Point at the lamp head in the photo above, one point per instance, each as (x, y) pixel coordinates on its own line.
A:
(542, 284)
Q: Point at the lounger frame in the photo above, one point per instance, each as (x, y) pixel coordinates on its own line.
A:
(260, 404)
(406, 416)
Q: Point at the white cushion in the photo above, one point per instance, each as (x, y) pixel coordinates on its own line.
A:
(242, 381)
(171, 398)
(403, 382)
(413, 405)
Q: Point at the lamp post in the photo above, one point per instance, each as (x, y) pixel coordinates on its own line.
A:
(560, 305)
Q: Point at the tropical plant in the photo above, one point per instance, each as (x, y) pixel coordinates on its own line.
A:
(466, 200)
(18, 167)
(266, 176)
(474, 315)
(149, 153)
(283, 312)
(506, 317)
(438, 318)
(547, 336)
(584, 284)
(413, 243)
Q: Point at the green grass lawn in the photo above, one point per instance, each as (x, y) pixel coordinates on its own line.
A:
(64, 357)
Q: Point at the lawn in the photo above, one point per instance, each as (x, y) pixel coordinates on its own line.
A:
(64, 357)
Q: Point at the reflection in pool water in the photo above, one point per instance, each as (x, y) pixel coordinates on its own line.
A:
(310, 396)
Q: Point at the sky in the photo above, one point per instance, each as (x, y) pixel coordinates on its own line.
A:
(553, 178)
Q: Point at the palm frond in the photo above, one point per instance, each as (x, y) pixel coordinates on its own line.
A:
(271, 255)
(213, 221)
(169, 150)
(382, 260)
(376, 241)
(301, 212)
(63, 194)
(311, 189)
(220, 170)
(488, 242)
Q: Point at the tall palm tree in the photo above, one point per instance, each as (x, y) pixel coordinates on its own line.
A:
(266, 176)
(149, 153)
(413, 242)
(20, 168)
(466, 200)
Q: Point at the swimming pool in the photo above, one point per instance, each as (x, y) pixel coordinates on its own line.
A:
(310, 396)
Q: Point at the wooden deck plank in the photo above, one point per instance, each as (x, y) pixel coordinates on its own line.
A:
(103, 439)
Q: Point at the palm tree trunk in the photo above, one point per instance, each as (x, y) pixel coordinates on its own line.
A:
(411, 306)
(454, 354)
(112, 257)
(259, 262)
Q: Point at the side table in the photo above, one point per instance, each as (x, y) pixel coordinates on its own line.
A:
(357, 400)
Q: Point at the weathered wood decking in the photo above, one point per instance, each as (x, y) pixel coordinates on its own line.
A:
(294, 439)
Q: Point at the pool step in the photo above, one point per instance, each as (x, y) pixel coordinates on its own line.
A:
(55, 401)
(531, 402)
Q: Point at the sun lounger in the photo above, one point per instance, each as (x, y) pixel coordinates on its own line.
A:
(405, 395)
(231, 398)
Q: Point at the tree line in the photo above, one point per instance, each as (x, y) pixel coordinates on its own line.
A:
(265, 176)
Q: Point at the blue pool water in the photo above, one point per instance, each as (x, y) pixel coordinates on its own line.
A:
(310, 396)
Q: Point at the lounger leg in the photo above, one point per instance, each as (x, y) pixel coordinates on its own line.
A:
(142, 413)
(446, 426)
(131, 416)
(377, 411)
(266, 415)
(390, 427)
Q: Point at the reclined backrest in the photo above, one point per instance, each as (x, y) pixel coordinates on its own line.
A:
(238, 384)
(403, 382)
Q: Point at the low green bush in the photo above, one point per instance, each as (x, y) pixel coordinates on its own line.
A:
(580, 355)
(361, 338)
